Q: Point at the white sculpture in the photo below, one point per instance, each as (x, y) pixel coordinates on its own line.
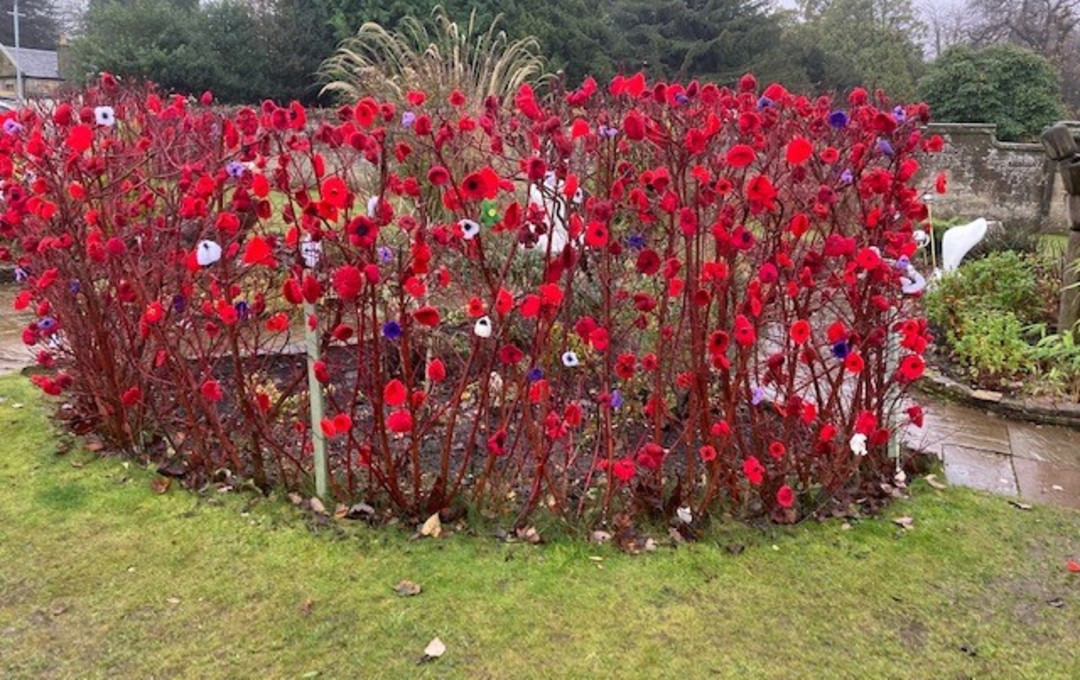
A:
(955, 244)
(958, 242)
(552, 200)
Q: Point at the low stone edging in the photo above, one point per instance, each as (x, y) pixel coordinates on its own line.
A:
(1064, 414)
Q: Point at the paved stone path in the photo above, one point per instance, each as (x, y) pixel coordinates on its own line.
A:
(1039, 463)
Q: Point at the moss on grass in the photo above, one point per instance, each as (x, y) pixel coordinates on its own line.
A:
(101, 577)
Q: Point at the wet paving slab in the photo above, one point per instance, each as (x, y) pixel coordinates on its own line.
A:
(1045, 444)
(1047, 482)
(980, 469)
(948, 424)
(1039, 463)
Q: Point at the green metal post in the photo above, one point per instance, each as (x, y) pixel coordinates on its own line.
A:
(311, 252)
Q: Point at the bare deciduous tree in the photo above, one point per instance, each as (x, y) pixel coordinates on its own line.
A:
(1047, 27)
(947, 25)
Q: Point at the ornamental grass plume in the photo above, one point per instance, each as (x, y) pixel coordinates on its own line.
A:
(439, 61)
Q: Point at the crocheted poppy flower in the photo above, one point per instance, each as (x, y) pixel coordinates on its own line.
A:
(426, 316)
(785, 497)
(777, 450)
(798, 151)
(745, 335)
(624, 469)
(911, 367)
(800, 332)
(395, 393)
(754, 470)
(400, 421)
(348, 281)
(436, 371)
(740, 156)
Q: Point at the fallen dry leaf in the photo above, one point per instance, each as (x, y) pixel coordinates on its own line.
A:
(295, 498)
(406, 588)
(341, 511)
(317, 506)
(95, 447)
(160, 485)
(934, 483)
(905, 522)
(1019, 506)
(173, 600)
(434, 649)
(530, 534)
(306, 606)
(432, 527)
(599, 536)
(359, 511)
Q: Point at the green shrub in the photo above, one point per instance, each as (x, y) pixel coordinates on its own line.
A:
(1058, 363)
(1003, 282)
(990, 346)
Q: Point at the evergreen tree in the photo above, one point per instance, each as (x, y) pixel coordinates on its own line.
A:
(708, 39)
(1014, 88)
(870, 43)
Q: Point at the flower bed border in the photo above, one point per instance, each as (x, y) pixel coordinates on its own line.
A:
(1032, 410)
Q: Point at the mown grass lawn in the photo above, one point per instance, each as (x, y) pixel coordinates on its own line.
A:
(101, 577)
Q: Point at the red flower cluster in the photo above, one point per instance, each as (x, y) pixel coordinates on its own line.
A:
(611, 288)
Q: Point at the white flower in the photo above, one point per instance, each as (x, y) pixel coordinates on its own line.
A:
(569, 359)
(372, 205)
(104, 115)
(684, 515)
(207, 253)
(470, 229)
(482, 329)
(858, 444)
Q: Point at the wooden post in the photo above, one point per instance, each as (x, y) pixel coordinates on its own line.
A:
(1070, 176)
(1058, 142)
(1061, 146)
(1072, 203)
(1069, 311)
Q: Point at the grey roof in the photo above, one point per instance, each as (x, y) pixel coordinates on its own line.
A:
(34, 63)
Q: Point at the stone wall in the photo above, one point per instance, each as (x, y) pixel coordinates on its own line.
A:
(1013, 183)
